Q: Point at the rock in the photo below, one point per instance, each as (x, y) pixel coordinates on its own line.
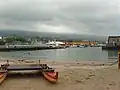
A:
(112, 84)
(79, 81)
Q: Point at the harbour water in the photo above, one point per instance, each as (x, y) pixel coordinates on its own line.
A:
(82, 54)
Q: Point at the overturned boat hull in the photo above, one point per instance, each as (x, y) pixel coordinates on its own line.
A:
(51, 76)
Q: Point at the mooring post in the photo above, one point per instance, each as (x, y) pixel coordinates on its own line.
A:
(7, 62)
(118, 60)
(39, 62)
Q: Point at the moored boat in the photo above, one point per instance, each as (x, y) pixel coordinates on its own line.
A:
(51, 76)
(74, 46)
(3, 76)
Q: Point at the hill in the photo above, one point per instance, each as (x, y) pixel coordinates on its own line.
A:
(52, 35)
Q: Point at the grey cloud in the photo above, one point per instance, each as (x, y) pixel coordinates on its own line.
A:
(78, 16)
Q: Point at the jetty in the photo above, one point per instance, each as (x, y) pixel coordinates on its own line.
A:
(28, 48)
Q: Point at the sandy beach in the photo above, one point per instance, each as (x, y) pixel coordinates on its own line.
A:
(72, 76)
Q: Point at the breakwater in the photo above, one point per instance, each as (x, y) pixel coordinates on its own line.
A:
(110, 48)
(28, 48)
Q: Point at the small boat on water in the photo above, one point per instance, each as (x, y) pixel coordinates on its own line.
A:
(51, 76)
(74, 46)
(3, 76)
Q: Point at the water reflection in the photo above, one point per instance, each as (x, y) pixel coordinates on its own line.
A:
(112, 54)
(82, 54)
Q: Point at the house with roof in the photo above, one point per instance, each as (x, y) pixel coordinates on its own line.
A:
(113, 41)
(56, 44)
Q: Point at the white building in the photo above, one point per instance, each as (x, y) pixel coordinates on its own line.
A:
(0, 38)
(55, 43)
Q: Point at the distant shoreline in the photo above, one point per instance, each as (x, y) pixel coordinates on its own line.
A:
(29, 48)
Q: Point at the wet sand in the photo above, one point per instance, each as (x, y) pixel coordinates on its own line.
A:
(72, 76)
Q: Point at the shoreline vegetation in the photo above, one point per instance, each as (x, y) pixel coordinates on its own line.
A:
(73, 75)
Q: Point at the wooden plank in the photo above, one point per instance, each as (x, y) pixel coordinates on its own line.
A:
(16, 67)
(24, 68)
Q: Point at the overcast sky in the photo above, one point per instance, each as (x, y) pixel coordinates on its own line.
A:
(100, 17)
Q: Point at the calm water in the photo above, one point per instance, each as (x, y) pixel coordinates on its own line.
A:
(91, 53)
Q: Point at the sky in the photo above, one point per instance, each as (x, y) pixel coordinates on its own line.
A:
(89, 17)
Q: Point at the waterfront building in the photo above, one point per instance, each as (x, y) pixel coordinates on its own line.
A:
(113, 41)
(56, 43)
(81, 43)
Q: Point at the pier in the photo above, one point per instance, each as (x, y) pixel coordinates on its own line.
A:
(28, 48)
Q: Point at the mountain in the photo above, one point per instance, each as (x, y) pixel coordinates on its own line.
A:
(51, 35)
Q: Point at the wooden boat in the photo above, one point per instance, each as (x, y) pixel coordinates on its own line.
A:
(3, 75)
(51, 76)
(47, 72)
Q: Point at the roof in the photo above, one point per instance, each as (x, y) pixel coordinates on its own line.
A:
(55, 42)
(114, 37)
